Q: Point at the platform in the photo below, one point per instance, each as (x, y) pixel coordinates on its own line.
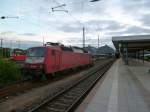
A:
(124, 88)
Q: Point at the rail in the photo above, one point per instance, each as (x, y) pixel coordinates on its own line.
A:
(68, 99)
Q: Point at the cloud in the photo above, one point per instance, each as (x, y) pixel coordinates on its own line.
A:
(77, 41)
(12, 39)
(100, 25)
(7, 33)
(28, 34)
(106, 17)
(11, 35)
(145, 19)
(132, 30)
(93, 27)
(137, 30)
(70, 28)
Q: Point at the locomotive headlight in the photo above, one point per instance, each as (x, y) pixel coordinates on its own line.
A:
(39, 60)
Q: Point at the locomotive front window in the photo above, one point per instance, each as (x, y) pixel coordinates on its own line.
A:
(36, 52)
(19, 52)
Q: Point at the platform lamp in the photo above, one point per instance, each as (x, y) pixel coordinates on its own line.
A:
(94, 0)
(7, 17)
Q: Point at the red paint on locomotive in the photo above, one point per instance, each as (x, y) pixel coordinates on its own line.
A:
(51, 59)
(18, 55)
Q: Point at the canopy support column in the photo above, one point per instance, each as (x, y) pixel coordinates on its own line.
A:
(143, 56)
(126, 54)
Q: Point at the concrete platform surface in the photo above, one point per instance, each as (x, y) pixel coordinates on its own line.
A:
(122, 89)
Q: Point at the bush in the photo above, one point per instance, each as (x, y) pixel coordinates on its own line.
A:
(9, 72)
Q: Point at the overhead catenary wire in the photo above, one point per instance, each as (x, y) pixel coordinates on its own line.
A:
(38, 25)
(78, 21)
(85, 1)
(94, 29)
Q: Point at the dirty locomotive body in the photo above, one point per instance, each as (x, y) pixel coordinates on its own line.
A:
(52, 58)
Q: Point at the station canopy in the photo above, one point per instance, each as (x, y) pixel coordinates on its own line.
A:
(132, 43)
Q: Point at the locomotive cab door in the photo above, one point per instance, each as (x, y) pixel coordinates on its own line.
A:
(56, 59)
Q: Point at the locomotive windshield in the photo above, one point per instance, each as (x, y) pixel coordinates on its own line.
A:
(36, 52)
(18, 52)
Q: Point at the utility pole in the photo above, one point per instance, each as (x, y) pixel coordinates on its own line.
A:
(1, 42)
(83, 37)
(98, 41)
(43, 41)
(11, 44)
(18, 43)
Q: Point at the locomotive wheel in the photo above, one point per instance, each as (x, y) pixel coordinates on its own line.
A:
(43, 77)
(25, 74)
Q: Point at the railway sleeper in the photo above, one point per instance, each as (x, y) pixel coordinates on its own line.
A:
(49, 109)
(84, 86)
(82, 89)
(57, 105)
(66, 101)
(77, 89)
(62, 104)
(76, 92)
(73, 94)
(68, 97)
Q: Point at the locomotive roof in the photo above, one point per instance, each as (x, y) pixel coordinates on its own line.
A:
(64, 48)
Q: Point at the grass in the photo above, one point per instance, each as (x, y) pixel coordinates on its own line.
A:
(9, 72)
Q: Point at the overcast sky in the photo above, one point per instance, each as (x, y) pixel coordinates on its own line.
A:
(107, 18)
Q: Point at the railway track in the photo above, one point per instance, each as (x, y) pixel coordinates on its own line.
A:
(23, 86)
(68, 99)
(13, 87)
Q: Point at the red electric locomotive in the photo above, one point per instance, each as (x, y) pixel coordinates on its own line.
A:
(53, 58)
(18, 55)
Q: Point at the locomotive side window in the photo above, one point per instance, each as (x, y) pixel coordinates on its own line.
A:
(53, 52)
